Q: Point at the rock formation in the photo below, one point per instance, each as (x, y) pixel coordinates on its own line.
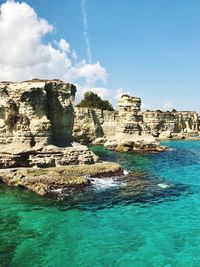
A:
(36, 124)
(92, 124)
(121, 130)
(131, 134)
(129, 123)
(41, 128)
(46, 180)
(173, 124)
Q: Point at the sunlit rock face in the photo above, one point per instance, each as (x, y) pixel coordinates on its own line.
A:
(183, 122)
(91, 124)
(129, 104)
(121, 130)
(131, 121)
(36, 112)
(33, 115)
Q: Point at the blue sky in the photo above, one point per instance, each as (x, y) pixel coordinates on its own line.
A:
(149, 48)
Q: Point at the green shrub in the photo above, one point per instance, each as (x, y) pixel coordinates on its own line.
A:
(92, 100)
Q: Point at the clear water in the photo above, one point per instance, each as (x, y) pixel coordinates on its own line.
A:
(110, 224)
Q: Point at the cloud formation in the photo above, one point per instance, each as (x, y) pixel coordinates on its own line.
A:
(120, 92)
(103, 92)
(24, 54)
(167, 106)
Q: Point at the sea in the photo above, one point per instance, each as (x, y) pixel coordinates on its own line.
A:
(150, 217)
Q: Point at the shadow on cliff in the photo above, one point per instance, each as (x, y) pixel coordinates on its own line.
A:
(60, 115)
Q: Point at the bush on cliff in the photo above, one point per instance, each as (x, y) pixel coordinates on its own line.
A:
(92, 100)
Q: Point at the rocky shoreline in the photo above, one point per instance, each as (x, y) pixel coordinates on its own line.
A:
(42, 134)
(44, 180)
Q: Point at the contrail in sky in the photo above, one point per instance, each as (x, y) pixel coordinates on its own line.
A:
(85, 32)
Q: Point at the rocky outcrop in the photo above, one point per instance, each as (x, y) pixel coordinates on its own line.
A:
(130, 124)
(175, 123)
(122, 130)
(36, 124)
(131, 134)
(44, 181)
(144, 144)
(165, 135)
(92, 124)
(130, 120)
(36, 112)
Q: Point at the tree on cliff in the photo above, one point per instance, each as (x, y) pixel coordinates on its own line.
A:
(92, 100)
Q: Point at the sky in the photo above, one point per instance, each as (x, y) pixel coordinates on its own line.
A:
(149, 49)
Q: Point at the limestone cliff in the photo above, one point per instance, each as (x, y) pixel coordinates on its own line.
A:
(117, 129)
(33, 115)
(179, 122)
(90, 124)
(36, 112)
(94, 125)
(131, 134)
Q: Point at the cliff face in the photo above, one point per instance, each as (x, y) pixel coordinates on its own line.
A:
(130, 122)
(90, 124)
(131, 134)
(174, 122)
(39, 123)
(121, 130)
(36, 120)
(39, 112)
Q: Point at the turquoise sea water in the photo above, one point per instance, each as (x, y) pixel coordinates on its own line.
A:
(110, 225)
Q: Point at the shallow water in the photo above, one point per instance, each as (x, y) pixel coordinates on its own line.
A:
(114, 222)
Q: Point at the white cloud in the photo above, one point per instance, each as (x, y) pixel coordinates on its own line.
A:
(144, 107)
(63, 45)
(91, 72)
(20, 34)
(167, 106)
(119, 92)
(74, 55)
(103, 92)
(24, 54)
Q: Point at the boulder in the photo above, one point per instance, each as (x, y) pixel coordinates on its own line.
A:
(165, 135)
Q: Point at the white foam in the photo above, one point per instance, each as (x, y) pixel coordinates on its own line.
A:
(171, 149)
(59, 190)
(163, 186)
(104, 183)
(126, 172)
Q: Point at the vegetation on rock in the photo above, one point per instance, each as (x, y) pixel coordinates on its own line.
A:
(92, 100)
